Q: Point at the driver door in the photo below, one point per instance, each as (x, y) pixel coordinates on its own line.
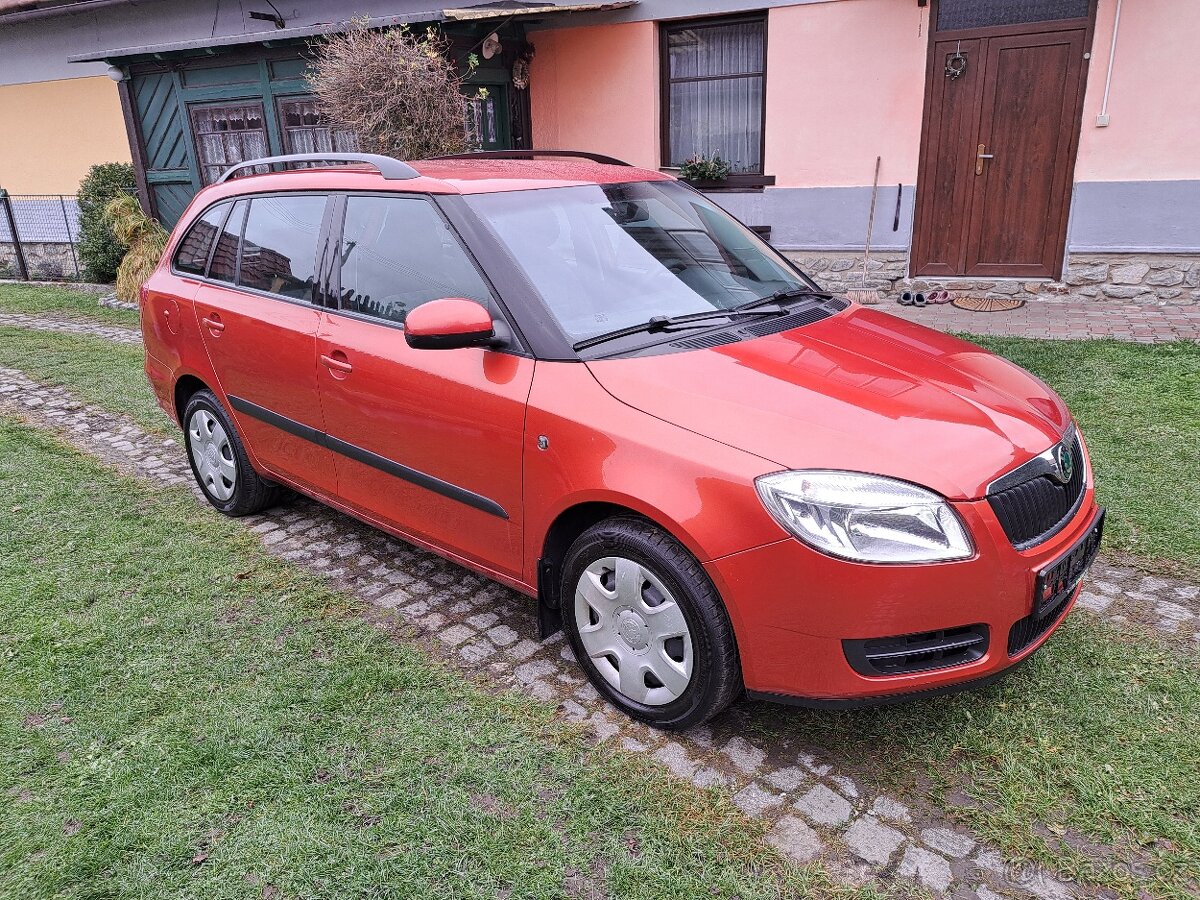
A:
(427, 442)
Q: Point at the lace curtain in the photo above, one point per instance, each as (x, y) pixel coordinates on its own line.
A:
(715, 78)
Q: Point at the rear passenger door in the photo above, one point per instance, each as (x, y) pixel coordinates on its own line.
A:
(427, 441)
(257, 315)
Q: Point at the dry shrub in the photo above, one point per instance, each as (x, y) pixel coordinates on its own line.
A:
(145, 239)
(399, 92)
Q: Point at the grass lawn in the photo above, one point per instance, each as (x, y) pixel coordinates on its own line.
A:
(93, 369)
(1093, 742)
(1139, 409)
(34, 299)
(184, 716)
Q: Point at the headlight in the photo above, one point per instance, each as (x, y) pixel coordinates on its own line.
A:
(866, 518)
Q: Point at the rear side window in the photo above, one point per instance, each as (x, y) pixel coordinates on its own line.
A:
(398, 253)
(192, 255)
(224, 257)
(279, 246)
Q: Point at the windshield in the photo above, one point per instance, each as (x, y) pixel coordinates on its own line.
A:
(606, 257)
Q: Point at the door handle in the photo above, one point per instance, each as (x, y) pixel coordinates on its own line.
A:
(214, 324)
(980, 157)
(337, 362)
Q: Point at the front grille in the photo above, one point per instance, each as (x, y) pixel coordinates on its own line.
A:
(906, 653)
(1034, 510)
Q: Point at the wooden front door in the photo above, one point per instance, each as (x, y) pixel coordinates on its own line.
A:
(999, 138)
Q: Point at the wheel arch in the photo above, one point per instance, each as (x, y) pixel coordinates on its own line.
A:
(576, 518)
(186, 386)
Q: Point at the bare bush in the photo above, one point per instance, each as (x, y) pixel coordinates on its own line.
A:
(399, 92)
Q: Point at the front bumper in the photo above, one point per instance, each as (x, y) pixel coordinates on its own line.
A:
(792, 608)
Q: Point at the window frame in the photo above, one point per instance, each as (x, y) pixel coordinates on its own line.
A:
(281, 100)
(332, 277)
(320, 251)
(665, 29)
(202, 275)
(194, 134)
(320, 272)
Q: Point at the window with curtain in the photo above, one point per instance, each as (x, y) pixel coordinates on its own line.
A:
(713, 85)
(305, 130)
(228, 134)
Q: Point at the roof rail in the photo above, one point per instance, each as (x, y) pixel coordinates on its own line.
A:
(389, 168)
(530, 154)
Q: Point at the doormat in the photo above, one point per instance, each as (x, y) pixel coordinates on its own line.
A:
(988, 304)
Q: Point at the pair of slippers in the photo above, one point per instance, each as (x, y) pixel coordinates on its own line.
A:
(908, 298)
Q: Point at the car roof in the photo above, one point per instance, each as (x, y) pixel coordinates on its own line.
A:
(441, 176)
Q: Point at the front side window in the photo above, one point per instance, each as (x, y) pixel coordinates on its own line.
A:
(714, 92)
(192, 255)
(606, 257)
(279, 248)
(398, 253)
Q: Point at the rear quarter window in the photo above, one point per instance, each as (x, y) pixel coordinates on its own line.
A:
(192, 256)
(224, 257)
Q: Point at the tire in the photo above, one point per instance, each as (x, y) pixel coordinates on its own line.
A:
(621, 579)
(219, 462)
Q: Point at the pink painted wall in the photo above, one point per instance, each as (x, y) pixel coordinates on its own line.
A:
(845, 83)
(1154, 103)
(596, 88)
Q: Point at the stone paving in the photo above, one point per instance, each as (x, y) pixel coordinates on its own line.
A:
(1063, 320)
(813, 809)
(118, 334)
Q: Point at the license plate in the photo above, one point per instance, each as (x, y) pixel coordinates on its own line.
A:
(1056, 582)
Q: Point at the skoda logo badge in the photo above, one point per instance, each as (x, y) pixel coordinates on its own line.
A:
(1066, 463)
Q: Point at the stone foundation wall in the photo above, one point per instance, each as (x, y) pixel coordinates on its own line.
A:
(1147, 279)
(50, 262)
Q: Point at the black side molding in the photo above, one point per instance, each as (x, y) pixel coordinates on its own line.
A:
(374, 460)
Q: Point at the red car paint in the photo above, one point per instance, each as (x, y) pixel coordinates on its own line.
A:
(678, 438)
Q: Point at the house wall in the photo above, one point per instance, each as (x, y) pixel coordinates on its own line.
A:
(55, 130)
(607, 74)
(846, 83)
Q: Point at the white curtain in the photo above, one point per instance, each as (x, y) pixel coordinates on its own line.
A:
(716, 93)
(305, 130)
(228, 134)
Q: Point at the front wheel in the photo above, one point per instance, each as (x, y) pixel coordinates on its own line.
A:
(648, 626)
(219, 460)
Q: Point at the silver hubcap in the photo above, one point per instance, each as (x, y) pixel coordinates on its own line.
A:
(633, 631)
(212, 454)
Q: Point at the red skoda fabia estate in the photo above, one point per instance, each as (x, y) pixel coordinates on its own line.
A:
(588, 382)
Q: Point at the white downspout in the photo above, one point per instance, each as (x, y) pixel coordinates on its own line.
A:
(1102, 119)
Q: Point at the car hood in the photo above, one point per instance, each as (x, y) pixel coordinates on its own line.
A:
(861, 391)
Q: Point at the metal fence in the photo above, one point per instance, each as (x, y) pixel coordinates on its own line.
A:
(39, 237)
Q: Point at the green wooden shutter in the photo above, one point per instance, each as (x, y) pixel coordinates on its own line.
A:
(170, 169)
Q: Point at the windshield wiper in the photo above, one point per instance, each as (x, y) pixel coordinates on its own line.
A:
(780, 296)
(668, 323)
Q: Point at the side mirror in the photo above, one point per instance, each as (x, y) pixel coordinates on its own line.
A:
(449, 324)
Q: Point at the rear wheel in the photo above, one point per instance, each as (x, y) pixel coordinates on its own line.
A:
(648, 626)
(219, 460)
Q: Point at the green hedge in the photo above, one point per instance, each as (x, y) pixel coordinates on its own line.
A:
(99, 250)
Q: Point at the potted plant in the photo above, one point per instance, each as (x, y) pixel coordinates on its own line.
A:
(705, 170)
